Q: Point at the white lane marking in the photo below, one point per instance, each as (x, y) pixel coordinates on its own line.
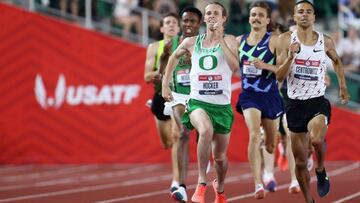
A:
(348, 198)
(92, 188)
(313, 178)
(82, 178)
(154, 193)
(48, 173)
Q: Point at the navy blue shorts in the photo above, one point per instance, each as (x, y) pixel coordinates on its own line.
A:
(270, 104)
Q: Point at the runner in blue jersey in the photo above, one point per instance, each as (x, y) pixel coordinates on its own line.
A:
(259, 102)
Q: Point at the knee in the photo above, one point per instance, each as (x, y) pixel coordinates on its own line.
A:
(220, 159)
(205, 134)
(175, 136)
(167, 144)
(301, 163)
(184, 132)
(316, 140)
(184, 136)
(254, 137)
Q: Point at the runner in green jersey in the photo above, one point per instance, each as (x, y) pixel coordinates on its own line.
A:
(190, 24)
(170, 28)
(214, 58)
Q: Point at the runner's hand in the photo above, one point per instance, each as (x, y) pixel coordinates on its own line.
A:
(166, 93)
(157, 78)
(294, 49)
(258, 63)
(218, 30)
(344, 95)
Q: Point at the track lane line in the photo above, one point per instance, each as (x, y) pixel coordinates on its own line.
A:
(348, 198)
(313, 179)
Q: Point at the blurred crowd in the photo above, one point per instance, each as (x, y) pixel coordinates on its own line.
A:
(348, 41)
(127, 16)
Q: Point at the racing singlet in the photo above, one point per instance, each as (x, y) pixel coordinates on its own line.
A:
(210, 75)
(157, 87)
(254, 79)
(181, 74)
(307, 76)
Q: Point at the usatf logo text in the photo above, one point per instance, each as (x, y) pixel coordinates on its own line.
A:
(84, 94)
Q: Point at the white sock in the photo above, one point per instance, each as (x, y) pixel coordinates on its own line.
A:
(174, 183)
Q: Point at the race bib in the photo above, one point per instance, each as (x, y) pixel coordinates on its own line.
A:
(183, 76)
(250, 70)
(306, 69)
(210, 84)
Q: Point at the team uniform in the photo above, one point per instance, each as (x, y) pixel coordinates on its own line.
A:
(259, 86)
(157, 104)
(180, 80)
(210, 83)
(306, 85)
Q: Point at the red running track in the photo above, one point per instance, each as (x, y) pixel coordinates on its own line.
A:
(149, 183)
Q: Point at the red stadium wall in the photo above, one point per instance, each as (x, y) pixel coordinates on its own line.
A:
(69, 95)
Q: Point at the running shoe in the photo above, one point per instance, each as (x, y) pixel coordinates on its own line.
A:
(219, 198)
(271, 186)
(179, 195)
(294, 187)
(174, 186)
(269, 180)
(259, 191)
(148, 103)
(199, 194)
(323, 183)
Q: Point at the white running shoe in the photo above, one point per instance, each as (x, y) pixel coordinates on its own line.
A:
(174, 186)
(148, 103)
(269, 181)
(259, 191)
(294, 187)
(180, 195)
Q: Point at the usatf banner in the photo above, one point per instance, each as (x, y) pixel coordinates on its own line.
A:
(70, 95)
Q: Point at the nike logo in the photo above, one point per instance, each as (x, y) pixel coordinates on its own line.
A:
(260, 48)
(316, 50)
(278, 114)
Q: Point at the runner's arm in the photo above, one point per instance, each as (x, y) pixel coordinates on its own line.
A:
(182, 49)
(331, 53)
(230, 46)
(149, 73)
(284, 56)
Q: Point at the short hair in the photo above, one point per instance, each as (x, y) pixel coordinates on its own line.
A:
(224, 12)
(168, 15)
(305, 1)
(192, 9)
(261, 4)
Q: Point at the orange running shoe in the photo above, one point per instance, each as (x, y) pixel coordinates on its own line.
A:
(219, 198)
(199, 194)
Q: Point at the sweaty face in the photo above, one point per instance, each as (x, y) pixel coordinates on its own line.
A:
(304, 15)
(258, 17)
(214, 14)
(190, 24)
(170, 26)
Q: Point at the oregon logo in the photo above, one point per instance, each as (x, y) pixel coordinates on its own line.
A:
(208, 62)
